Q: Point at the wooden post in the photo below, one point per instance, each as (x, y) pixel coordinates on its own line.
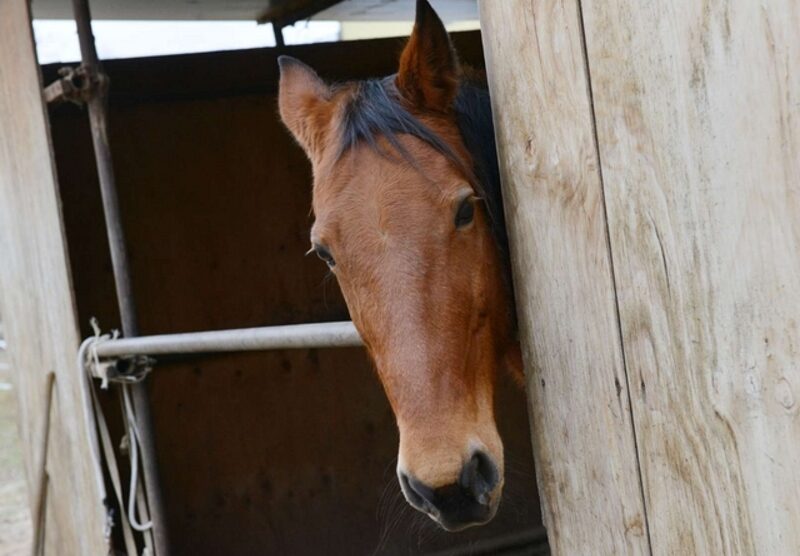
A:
(698, 122)
(583, 437)
(36, 301)
(683, 116)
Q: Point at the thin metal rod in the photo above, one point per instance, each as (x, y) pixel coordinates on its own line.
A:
(97, 106)
(277, 29)
(529, 541)
(296, 336)
(40, 500)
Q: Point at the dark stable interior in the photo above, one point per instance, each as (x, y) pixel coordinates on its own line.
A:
(284, 452)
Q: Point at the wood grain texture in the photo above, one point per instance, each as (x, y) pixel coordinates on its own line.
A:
(582, 431)
(698, 119)
(36, 298)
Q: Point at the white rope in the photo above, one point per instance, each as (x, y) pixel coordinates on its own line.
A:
(96, 340)
(89, 424)
(133, 452)
(149, 545)
(113, 472)
(130, 421)
(90, 365)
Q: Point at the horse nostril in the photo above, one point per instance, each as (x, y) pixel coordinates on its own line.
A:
(479, 477)
(417, 494)
(460, 504)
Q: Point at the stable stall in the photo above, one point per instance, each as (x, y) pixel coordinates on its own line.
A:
(650, 155)
(249, 447)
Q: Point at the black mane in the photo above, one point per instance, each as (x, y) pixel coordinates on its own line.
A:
(376, 111)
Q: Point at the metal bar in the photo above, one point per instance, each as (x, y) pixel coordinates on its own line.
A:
(530, 542)
(317, 335)
(289, 13)
(277, 30)
(40, 499)
(97, 106)
(58, 91)
(73, 85)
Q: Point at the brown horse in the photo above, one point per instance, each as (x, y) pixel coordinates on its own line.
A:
(408, 216)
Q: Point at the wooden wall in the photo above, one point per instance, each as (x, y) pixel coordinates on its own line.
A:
(36, 301)
(261, 453)
(651, 159)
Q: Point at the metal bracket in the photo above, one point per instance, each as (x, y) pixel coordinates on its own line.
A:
(126, 370)
(76, 85)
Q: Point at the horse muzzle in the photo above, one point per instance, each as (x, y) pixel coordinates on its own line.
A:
(471, 501)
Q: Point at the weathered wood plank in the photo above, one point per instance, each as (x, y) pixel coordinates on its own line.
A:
(36, 298)
(698, 119)
(582, 431)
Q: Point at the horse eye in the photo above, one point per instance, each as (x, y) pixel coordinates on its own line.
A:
(465, 212)
(323, 253)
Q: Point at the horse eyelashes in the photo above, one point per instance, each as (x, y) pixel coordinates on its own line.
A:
(465, 213)
(324, 254)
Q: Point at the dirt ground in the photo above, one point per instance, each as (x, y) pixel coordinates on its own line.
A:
(15, 523)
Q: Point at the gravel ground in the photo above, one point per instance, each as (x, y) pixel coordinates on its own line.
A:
(15, 523)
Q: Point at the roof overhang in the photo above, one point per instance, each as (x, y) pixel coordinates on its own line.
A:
(286, 11)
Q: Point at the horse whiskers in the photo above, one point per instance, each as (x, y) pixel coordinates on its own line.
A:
(391, 508)
(388, 495)
(517, 467)
(425, 529)
(389, 490)
(326, 282)
(514, 502)
(390, 527)
(516, 493)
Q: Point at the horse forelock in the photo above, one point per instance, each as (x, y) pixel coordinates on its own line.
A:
(375, 110)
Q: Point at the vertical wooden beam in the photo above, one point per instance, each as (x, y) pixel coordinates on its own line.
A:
(698, 120)
(583, 436)
(36, 298)
(698, 142)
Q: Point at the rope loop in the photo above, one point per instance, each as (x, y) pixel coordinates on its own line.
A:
(98, 339)
(134, 370)
(122, 370)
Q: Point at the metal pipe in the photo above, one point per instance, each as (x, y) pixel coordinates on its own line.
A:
(529, 541)
(277, 30)
(97, 107)
(317, 335)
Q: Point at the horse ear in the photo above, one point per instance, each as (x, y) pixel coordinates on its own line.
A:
(304, 103)
(428, 74)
